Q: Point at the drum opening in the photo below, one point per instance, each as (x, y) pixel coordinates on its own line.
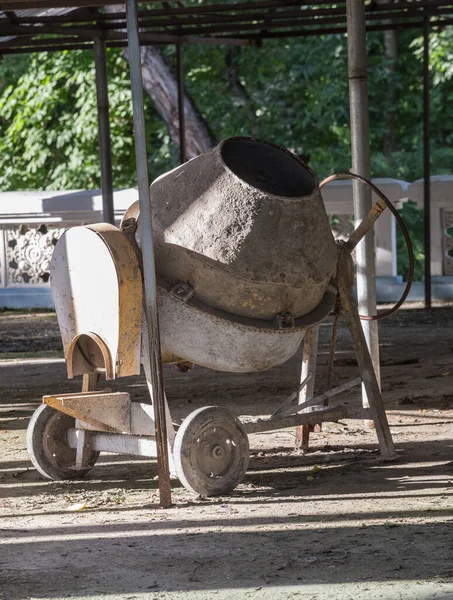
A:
(267, 167)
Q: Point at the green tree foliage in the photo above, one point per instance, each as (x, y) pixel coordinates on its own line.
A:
(293, 92)
(296, 95)
(48, 123)
(298, 91)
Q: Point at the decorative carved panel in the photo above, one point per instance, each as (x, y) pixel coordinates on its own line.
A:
(29, 251)
(447, 241)
(342, 226)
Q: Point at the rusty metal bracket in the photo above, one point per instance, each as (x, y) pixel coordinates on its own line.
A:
(182, 290)
(129, 228)
(288, 405)
(287, 411)
(285, 321)
(328, 414)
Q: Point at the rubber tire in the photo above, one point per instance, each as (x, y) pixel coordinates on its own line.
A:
(48, 448)
(217, 426)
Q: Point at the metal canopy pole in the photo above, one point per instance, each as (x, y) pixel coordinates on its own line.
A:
(149, 272)
(360, 149)
(105, 149)
(426, 164)
(181, 116)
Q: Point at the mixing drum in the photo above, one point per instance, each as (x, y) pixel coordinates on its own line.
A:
(243, 241)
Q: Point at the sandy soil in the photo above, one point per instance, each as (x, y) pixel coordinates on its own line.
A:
(335, 523)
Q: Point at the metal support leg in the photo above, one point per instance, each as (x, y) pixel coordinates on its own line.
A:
(360, 150)
(149, 273)
(181, 115)
(90, 382)
(84, 448)
(310, 354)
(376, 404)
(170, 429)
(105, 147)
(331, 359)
(426, 164)
(170, 432)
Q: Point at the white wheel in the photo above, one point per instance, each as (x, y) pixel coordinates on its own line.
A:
(47, 444)
(211, 451)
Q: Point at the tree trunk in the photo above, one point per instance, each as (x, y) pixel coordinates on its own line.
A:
(237, 88)
(159, 82)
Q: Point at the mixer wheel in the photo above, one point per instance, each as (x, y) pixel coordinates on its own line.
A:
(48, 447)
(211, 451)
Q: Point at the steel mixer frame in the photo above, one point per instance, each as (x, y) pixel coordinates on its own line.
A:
(111, 422)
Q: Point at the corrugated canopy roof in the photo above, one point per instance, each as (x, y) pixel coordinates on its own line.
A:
(15, 17)
(27, 25)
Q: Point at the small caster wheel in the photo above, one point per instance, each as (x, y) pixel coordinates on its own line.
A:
(211, 451)
(48, 447)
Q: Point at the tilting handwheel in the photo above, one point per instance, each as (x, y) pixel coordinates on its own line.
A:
(211, 451)
(47, 443)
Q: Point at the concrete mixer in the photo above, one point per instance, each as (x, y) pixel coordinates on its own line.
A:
(246, 264)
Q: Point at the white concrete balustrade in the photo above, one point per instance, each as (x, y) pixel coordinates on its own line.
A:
(441, 222)
(31, 223)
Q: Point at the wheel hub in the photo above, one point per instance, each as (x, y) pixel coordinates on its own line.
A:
(215, 450)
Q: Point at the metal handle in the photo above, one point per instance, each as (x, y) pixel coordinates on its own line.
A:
(376, 210)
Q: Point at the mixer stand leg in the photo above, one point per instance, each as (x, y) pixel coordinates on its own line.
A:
(377, 410)
(309, 356)
(84, 451)
(90, 382)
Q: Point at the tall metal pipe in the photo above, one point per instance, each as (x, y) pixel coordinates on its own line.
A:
(149, 272)
(105, 147)
(181, 115)
(426, 164)
(360, 149)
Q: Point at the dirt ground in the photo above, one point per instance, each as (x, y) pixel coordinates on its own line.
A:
(336, 523)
